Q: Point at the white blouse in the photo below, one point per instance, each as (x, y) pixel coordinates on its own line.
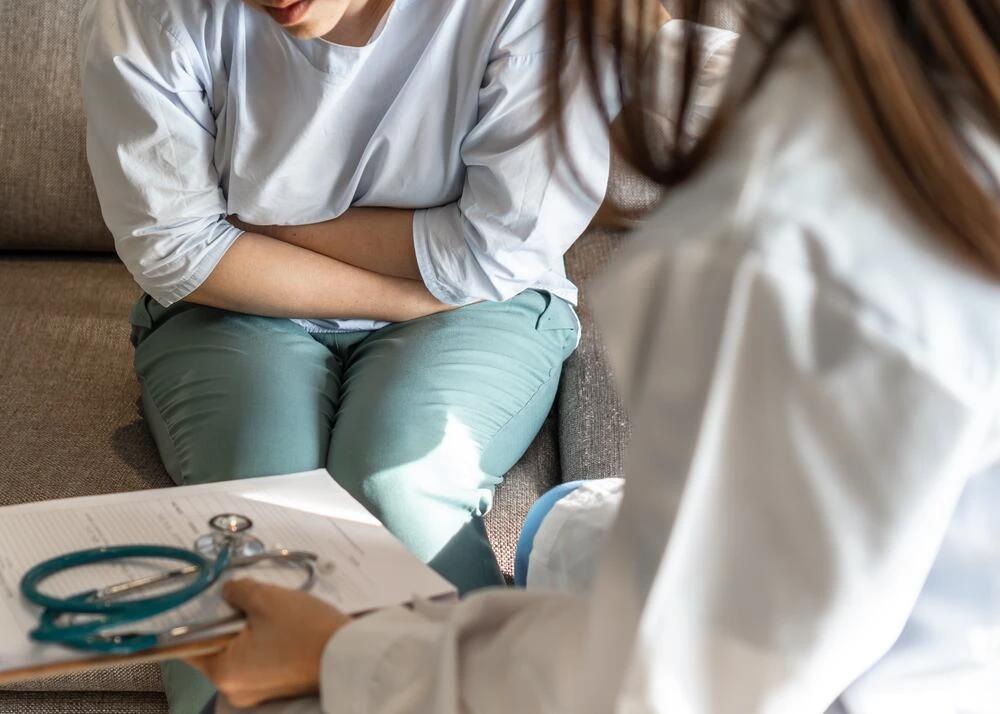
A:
(198, 109)
(814, 481)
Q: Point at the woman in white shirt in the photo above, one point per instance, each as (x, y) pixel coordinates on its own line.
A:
(351, 248)
(808, 336)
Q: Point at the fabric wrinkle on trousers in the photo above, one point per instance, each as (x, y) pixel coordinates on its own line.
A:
(418, 420)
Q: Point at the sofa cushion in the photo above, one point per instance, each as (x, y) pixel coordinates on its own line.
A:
(593, 427)
(47, 200)
(725, 15)
(132, 679)
(69, 407)
(71, 426)
(630, 194)
(536, 472)
(80, 703)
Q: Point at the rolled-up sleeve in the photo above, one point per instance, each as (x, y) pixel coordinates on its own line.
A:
(522, 205)
(150, 143)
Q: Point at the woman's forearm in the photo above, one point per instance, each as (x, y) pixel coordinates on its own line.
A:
(260, 275)
(379, 240)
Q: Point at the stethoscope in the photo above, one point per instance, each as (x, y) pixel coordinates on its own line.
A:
(83, 621)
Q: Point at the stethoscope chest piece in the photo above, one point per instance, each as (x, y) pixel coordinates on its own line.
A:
(230, 523)
(232, 531)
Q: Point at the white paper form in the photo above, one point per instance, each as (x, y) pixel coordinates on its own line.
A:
(362, 566)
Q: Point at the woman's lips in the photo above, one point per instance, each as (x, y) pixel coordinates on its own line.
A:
(290, 14)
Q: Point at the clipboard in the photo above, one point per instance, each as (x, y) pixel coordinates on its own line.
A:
(371, 570)
(180, 651)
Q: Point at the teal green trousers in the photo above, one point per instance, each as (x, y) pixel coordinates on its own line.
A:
(418, 420)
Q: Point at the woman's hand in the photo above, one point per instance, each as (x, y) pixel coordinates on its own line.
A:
(277, 656)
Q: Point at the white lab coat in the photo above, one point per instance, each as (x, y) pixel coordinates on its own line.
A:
(809, 511)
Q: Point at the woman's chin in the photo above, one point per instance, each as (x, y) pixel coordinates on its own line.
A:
(306, 27)
(308, 31)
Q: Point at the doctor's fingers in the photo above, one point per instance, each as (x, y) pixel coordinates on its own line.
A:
(243, 686)
(210, 665)
(203, 664)
(232, 681)
(249, 596)
(263, 601)
(225, 666)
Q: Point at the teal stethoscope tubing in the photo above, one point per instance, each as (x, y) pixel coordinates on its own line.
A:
(109, 613)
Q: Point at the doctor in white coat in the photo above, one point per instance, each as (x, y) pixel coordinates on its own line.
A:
(807, 333)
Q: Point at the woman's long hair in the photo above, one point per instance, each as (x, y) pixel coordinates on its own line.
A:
(913, 71)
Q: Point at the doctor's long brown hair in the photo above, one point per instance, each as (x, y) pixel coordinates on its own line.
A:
(911, 70)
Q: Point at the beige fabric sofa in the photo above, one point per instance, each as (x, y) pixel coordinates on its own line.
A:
(69, 418)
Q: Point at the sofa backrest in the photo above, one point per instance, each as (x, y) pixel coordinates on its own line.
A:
(47, 199)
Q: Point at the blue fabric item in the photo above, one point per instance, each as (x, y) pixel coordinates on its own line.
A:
(532, 523)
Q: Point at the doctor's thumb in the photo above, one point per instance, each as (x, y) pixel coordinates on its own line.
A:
(247, 596)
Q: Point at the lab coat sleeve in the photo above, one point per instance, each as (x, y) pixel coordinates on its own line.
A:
(794, 466)
(521, 206)
(150, 144)
(493, 653)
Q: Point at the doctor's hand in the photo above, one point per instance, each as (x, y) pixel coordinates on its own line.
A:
(278, 653)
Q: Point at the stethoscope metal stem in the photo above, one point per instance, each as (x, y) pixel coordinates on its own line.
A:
(120, 590)
(114, 592)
